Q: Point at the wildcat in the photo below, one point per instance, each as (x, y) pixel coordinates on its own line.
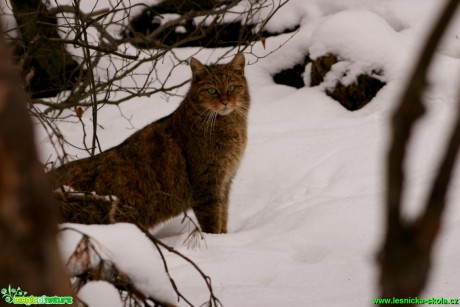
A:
(186, 160)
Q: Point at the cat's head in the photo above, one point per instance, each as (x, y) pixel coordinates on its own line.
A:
(220, 88)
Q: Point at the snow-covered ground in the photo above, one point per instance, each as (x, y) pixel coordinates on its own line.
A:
(306, 213)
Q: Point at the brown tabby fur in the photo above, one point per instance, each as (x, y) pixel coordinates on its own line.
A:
(186, 160)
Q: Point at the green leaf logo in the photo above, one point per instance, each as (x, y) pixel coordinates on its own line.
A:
(9, 294)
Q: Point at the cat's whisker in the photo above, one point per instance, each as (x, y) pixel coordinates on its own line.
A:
(244, 107)
(214, 121)
(209, 117)
(241, 113)
(206, 120)
(199, 115)
(241, 109)
(208, 126)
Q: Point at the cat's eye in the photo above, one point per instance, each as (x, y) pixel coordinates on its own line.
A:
(212, 91)
(230, 88)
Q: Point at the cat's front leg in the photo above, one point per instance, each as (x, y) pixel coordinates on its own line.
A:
(224, 217)
(224, 208)
(208, 212)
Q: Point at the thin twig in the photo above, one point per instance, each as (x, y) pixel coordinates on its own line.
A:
(213, 300)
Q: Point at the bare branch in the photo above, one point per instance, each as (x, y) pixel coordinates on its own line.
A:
(405, 258)
(213, 300)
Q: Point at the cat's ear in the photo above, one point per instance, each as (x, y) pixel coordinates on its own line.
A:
(238, 62)
(198, 69)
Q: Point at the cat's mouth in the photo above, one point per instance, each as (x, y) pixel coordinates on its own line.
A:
(224, 107)
(224, 110)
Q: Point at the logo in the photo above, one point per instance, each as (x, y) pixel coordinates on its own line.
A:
(18, 296)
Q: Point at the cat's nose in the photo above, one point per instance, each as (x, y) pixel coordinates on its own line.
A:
(224, 102)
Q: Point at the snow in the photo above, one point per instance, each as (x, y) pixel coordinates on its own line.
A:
(116, 244)
(100, 294)
(307, 205)
(373, 47)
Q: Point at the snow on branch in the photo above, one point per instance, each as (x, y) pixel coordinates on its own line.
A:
(90, 261)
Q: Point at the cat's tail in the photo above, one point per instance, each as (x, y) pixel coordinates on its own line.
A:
(85, 208)
(73, 186)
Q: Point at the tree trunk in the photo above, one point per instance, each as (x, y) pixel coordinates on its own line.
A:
(29, 255)
(406, 255)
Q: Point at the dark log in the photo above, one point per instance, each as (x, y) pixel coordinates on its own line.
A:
(292, 76)
(52, 68)
(187, 33)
